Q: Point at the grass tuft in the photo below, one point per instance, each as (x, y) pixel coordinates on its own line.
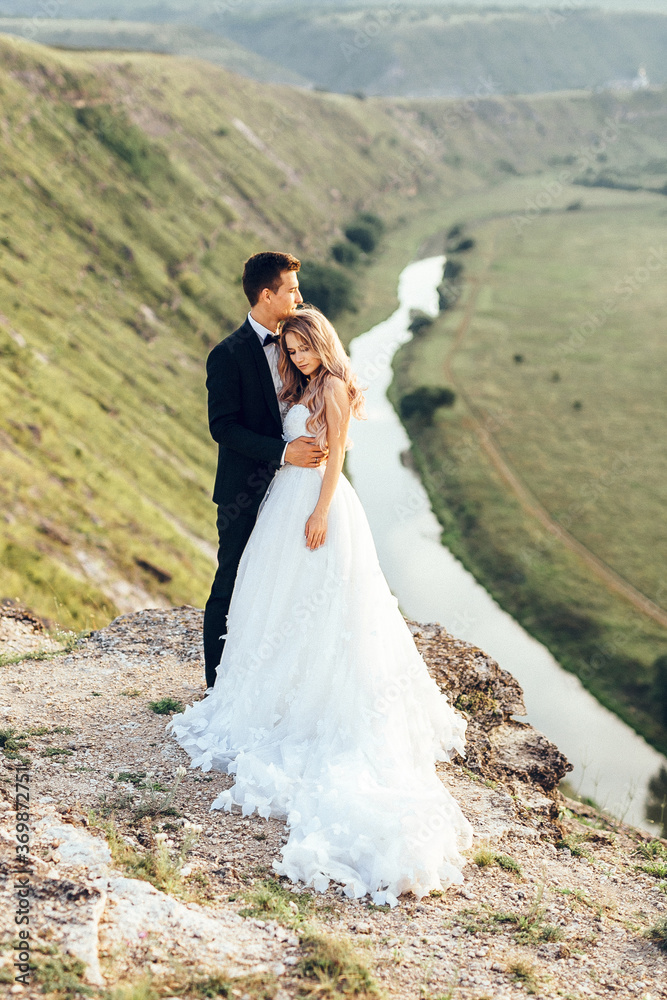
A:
(272, 901)
(160, 866)
(334, 968)
(524, 971)
(166, 706)
(658, 934)
(62, 975)
(485, 856)
(654, 854)
(12, 743)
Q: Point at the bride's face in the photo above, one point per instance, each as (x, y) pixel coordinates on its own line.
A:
(302, 356)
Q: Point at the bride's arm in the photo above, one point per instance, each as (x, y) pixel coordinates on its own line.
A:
(337, 414)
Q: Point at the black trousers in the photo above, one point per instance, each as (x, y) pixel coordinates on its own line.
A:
(233, 535)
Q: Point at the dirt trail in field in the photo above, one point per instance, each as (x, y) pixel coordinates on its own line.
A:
(526, 498)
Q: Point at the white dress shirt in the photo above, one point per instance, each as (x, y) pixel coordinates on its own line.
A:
(271, 352)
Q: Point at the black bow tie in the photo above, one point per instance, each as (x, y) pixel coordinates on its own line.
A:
(270, 338)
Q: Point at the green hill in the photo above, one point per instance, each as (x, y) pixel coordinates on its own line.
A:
(431, 50)
(416, 50)
(132, 188)
(135, 36)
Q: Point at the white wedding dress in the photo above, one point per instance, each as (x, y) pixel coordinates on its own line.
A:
(323, 708)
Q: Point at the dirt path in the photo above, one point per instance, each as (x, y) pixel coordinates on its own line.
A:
(529, 502)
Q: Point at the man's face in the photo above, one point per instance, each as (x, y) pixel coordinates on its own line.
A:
(284, 302)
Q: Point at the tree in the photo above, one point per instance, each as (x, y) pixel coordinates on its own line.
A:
(660, 667)
(363, 235)
(424, 401)
(466, 244)
(419, 321)
(345, 253)
(453, 269)
(326, 287)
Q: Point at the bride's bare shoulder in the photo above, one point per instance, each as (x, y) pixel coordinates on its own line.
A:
(336, 389)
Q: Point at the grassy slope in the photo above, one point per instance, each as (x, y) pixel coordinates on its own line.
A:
(106, 457)
(177, 39)
(597, 470)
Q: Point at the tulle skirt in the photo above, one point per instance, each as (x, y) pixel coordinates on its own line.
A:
(324, 711)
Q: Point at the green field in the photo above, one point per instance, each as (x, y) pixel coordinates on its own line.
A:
(557, 353)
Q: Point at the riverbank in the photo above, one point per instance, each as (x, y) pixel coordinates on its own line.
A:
(557, 897)
(514, 399)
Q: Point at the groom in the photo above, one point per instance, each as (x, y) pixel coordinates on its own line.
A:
(245, 419)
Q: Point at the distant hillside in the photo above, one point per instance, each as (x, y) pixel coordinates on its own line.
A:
(415, 50)
(191, 10)
(175, 39)
(433, 51)
(132, 189)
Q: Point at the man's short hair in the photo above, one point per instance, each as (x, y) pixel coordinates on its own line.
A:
(263, 270)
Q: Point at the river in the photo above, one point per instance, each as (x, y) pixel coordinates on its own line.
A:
(612, 764)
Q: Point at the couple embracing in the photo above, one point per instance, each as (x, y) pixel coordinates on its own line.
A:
(317, 700)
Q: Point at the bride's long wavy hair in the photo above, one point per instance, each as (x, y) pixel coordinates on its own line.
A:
(316, 332)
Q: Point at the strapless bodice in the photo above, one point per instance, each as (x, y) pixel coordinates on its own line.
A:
(294, 424)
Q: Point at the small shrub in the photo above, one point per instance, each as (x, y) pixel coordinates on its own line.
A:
(156, 800)
(658, 934)
(524, 971)
(506, 167)
(12, 743)
(550, 932)
(577, 405)
(466, 244)
(192, 285)
(326, 287)
(658, 869)
(453, 269)
(135, 778)
(166, 706)
(63, 975)
(335, 967)
(419, 322)
(484, 856)
(508, 864)
(373, 221)
(157, 866)
(346, 254)
(424, 401)
(272, 901)
(518, 359)
(660, 682)
(574, 206)
(363, 235)
(449, 293)
(656, 807)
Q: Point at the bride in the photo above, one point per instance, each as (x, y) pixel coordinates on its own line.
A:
(323, 709)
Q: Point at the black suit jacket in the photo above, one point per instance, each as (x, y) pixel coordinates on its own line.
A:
(244, 418)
